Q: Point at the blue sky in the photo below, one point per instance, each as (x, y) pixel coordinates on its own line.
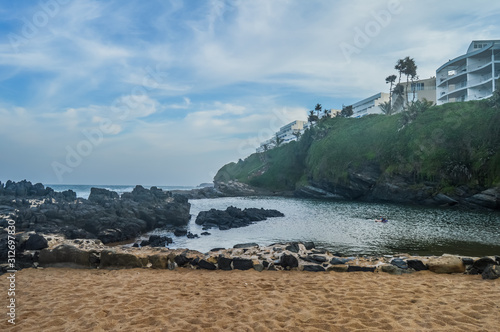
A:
(166, 92)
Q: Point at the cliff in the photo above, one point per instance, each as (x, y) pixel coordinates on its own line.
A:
(442, 155)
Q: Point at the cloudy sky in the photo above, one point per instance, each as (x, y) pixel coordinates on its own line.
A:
(166, 92)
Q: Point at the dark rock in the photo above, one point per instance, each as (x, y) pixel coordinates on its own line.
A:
(102, 196)
(205, 233)
(416, 264)
(158, 261)
(182, 260)
(293, 247)
(145, 243)
(36, 242)
(245, 245)
(467, 261)
(481, 264)
(233, 217)
(339, 261)
(314, 268)
(491, 272)
(318, 259)
(319, 251)
(217, 249)
(242, 264)
(224, 263)
(206, 265)
(360, 269)
(497, 259)
(192, 236)
(265, 264)
(399, 263)
(136, 245)
(309, 245)
(180, 232)
(288, 261)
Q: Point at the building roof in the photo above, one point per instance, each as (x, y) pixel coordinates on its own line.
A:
(470, 53)
(366, 100)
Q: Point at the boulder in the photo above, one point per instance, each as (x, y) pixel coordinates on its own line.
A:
(180, 232)
(399, 263)
(224, 263)
(205, 233)
(288, 261)
(314, 268)
(480, 265)
(309, 245)
(391, 269)
(36, 242)
(242, 263)
(338, 268)
(416, 264)
(206, 265)
(339, 261)
(233, 217)
(354, 268)
(114, 259)
(293, 247)
(491, 272)
(446, 264)
(182, 260)
(158, 261)
(258, 266)
(68, 255)
(245, 245)
(317, 258)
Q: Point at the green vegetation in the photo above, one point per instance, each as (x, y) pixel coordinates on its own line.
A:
(450, 145)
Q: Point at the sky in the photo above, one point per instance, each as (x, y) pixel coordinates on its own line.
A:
(167, 92)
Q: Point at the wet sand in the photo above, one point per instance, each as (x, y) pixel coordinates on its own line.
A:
(199, 300)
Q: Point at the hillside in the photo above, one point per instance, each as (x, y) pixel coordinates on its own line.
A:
(446, 155)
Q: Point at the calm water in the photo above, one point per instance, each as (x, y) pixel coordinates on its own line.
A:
(346, 227)
(349, 227)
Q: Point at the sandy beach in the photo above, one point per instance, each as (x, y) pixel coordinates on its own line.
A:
(63, 299)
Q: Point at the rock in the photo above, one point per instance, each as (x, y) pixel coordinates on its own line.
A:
(217, 249)
(242, 263)
(399, 263)
(338, 268)
(318, 258)
(245, 245)
(416, 264)
(158, 261)
(309, 245)
(114, 259)
(224, 263)
(36, 242)
(293, 247)
(467, 261)
(288, 261)
(442, 199)
(360, 269)
(180, 232)
(446, 264)
(102, 196)
(391, 269)
(233, 217)
(205, 233)
(67, 255)
(339, 261)
(481, 264)
(192, 236)
(182, 260)
(491, 272)
(206, 265)
(314, 268)
(258, 266)
(159, 241)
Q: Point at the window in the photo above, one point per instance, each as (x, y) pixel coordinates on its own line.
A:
(417, 86)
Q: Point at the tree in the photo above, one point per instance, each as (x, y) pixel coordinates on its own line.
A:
(312, 117)
(317, 108)
(390, 79)
(346, 111)
(410, 70)
(326, 113)
(278, 140)
(495, 99)
(297, 134)
(413, 110)
(386, 108)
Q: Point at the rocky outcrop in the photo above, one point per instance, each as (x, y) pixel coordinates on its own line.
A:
(446, 264)
(234, 217)
(104, 215)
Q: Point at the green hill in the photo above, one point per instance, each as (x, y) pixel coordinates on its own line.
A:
(452, 149)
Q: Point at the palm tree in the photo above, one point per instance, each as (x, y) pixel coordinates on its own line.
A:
(390, 79)
(312, 117)
(400, 67)
(386, 108)
(410, 70)
(326, 113)
(317, 108)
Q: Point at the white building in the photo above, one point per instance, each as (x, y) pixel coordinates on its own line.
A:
(286, 134)
(470, 76)
(369, 105)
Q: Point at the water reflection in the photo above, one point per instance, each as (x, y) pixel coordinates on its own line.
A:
(349, 227)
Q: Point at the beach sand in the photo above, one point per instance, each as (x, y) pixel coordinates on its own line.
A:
(63, 299)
